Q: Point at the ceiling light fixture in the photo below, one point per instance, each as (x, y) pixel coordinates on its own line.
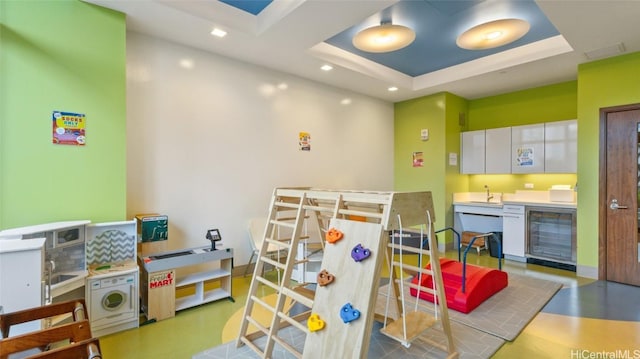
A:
(392, 89)
(218, 32)
(326, 68)
(493, 34)
(385, 37)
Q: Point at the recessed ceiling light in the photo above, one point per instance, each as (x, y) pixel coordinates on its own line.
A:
(493, 34)
(392, 88)
(385, 37)
(345, 101)
(218, 32)
(326, 68)
(186, 63)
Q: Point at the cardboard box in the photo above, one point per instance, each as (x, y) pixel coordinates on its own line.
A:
(152, 227)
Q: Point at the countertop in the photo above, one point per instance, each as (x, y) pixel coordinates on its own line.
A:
(498, 200)
(518, 202)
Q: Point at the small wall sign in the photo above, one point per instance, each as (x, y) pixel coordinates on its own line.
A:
(304, 141)
(68, 128)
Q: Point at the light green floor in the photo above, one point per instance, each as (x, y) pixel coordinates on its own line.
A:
(194, 330)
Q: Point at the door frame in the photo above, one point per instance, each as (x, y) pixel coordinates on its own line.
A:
(602, 186)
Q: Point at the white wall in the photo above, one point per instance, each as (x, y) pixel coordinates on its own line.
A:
(207, 144)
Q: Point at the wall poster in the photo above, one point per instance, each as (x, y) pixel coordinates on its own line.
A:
(418, 161)
(68, 128)
(304, 141)
(524, 157)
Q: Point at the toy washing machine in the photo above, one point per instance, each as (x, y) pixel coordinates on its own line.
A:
(113, 301)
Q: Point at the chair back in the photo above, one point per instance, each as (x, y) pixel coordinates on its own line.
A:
(72, 332)
(86, 349)
(257, 228)
(75, 307)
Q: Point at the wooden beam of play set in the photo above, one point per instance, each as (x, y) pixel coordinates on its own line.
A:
(340, 321)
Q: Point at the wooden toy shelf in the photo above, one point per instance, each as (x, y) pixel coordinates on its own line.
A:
(201, 296)
(159, 281)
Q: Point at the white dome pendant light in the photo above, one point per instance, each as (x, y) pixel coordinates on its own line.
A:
(385, 37)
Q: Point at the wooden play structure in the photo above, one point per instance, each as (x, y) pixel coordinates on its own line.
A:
(342, 309)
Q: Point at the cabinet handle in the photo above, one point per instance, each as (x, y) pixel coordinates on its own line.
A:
(614, 205)
(508, 216)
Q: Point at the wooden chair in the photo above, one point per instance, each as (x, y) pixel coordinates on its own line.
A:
(76, 308)
(73, 332)
(86, 349)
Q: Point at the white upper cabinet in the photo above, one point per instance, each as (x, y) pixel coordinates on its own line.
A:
(472, 145)
(498, 150)
(527, 143)
(561, 147)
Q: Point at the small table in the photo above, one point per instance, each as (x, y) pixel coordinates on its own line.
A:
(158, 280)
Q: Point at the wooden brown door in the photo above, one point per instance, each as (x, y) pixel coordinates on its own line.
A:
(620, 202)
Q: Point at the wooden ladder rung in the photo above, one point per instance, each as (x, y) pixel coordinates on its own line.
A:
(268, 283)
(409, 249)
(287, 346)
(253, 347)
(361, 213)
(412, 268)
(278, 242)
(298, 297)
(273, 263)
(283, 224)
(309, 293)
(417, 287)
(415, 322)
(287, 205)
(319, 209)
(264, 304)
(294, 323)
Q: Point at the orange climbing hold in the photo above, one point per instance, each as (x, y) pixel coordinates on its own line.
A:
(333, 235)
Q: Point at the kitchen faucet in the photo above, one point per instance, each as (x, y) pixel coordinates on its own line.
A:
(489, 196)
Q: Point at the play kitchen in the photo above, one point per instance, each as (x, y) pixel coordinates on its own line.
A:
(76, 259)
(536, 226)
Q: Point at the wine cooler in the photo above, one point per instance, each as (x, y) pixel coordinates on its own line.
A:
(551, 236)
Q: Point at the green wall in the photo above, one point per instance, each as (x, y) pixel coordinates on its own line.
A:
(541, 104)
(604, 83)
(69, 56)
(440, 115)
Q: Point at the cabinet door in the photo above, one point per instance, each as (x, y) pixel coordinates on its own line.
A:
(561, 147)
(21, 273)
(513, 227)
(497, 150)
(527, 143)
(472, 149)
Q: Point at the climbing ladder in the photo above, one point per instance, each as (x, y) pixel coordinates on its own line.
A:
(409, 325)
(354, 207)
(283, 288)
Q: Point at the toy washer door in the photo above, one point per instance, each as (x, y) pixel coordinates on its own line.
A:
(112, 298)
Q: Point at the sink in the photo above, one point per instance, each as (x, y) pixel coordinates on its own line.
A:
(62, 278)
(485, 202)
